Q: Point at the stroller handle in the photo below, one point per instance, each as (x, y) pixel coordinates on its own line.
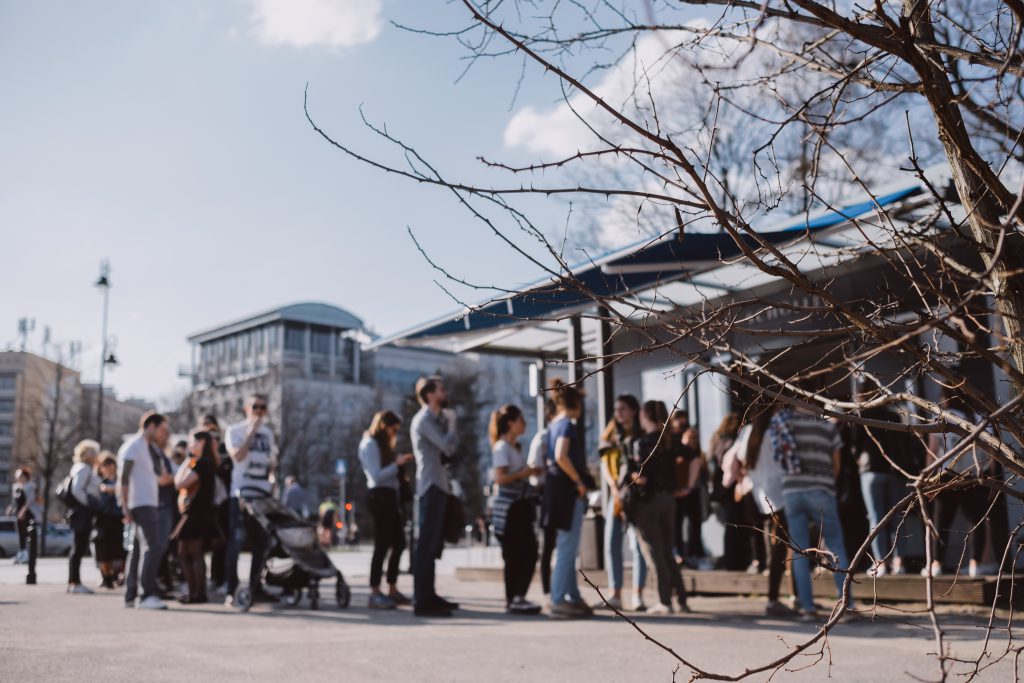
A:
(254, 492)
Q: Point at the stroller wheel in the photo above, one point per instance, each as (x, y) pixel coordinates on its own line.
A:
(343, 594)
(293, 597)
(243, 599)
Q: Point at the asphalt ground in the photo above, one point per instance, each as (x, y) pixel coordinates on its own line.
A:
(47, 635)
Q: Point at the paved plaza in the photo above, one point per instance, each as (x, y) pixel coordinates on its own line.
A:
(46, 635)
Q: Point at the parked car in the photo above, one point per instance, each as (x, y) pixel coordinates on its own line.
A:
(58, 538)
(8, 537)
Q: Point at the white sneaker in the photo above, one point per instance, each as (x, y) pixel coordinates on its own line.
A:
(79, 589)
(614, 603)
(877, 570)
(659, 608)
(638, 603)
(934, 570)
(152, 602)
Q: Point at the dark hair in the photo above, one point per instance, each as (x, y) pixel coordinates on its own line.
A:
(210, 419)
(501, 421)
(425, 386)
(256, 396)
(151, 418)
(679, 413)
(107, 458)
(181, 444)
(634, 405)
(566, 397)
(729, 425)
(655, 411)
(207, 440)
(378, 431)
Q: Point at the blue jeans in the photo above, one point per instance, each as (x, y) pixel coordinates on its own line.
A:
(563, 580)
(429, 545)
(882, 491)
(803, 508)
(614, 527)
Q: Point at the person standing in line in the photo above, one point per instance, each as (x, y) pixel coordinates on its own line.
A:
(85, 488)
(170, 572)
(882, 485)
(761, 474)
(651, 505)
(250, 445)
(807, 447)
(434, 441)
(565, 492)
(692, 494)
(195, 481)
(679, 422)
(221, 502)
(142, 472)
(381, 465)
(743, 548)
(538, 456)
(513, 508)
(27, 507)
(108, 542)
(616, 450)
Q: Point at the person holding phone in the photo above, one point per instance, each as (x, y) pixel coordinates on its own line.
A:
(250, 444)
(381, 465)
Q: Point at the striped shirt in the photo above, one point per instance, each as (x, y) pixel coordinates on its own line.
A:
(816, 440)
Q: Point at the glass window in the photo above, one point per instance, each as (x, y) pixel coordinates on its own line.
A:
(6, 405)
(6, 429)
(321, 342)
(294, 339)
(7, 382)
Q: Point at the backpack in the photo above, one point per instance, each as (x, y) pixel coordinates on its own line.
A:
(64, 494)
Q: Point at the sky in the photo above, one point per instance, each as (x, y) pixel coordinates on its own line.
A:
(169, 137)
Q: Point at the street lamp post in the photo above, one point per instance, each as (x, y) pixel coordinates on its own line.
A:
(105, 358)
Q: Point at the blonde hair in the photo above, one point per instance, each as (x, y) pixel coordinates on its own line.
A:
(83, 448)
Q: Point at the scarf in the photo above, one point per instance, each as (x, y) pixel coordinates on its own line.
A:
(782, 441)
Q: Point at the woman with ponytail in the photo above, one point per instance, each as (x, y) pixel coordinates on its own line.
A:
(380, 463)
(512, 508)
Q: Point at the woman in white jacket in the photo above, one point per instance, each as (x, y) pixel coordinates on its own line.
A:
(85, 488)
(750, 464)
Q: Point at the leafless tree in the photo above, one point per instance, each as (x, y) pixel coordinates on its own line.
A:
(735, 111)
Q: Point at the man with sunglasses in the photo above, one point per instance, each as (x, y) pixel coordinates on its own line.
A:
(250, 444)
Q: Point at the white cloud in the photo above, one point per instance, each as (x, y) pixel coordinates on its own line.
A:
(310, 23)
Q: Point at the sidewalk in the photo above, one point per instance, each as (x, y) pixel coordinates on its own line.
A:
(46, 635)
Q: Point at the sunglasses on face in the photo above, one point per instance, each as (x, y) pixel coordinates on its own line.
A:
(259, 406)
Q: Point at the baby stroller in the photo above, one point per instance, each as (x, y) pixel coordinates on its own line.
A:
(295, 561)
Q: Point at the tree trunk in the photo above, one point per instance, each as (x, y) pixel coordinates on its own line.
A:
(984, 197)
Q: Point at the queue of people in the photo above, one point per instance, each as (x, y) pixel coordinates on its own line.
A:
(153, 517)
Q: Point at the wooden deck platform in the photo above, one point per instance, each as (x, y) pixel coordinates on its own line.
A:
(961, 590)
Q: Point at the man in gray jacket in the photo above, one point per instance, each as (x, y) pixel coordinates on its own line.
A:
(434, 440)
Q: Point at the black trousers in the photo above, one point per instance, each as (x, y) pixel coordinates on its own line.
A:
(79, 547)
(519, 549)
(550, 537)
(689, 512)
(388, 536)
(974, 502)
(22, 533)
(777, 540)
